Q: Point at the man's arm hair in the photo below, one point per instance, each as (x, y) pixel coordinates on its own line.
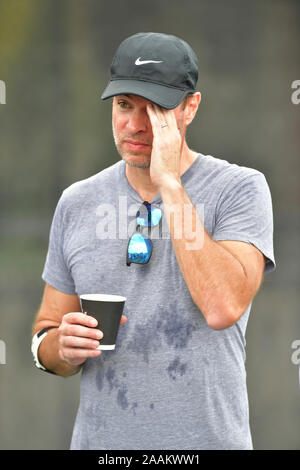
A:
(55, 304)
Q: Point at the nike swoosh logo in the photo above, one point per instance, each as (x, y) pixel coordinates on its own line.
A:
(142, 62)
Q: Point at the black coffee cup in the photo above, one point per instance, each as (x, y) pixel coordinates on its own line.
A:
(107, 309)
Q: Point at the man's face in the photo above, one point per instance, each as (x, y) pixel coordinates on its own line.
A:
(132, 129)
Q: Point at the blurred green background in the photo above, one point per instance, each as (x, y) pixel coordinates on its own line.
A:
(54, 130)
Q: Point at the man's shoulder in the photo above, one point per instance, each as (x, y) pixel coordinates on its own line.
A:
(103, 181)
(229, 172)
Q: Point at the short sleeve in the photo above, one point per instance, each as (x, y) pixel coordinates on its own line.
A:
(56, 271)
(244, 212)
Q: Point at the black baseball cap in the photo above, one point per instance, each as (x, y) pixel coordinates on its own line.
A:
(159, 67)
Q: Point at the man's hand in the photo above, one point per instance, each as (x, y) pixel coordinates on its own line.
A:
(166, 146)
(78, 337)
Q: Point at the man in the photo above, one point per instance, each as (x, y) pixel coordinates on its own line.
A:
(176, 379)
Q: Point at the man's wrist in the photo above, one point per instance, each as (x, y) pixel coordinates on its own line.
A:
(35, 345)
(170, 185)
(51, 359)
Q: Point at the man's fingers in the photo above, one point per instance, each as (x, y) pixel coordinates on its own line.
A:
(80, 319)
(164, 115)
(79, 342)
(77, 354)
(78, 337)
(159, 116)
(153, 117)
(72, 329)
(67, 329)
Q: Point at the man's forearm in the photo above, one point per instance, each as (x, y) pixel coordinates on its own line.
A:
(49, 356)
(215, 278)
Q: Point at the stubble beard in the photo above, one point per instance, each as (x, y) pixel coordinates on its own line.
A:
(126, 157)
(134, 164)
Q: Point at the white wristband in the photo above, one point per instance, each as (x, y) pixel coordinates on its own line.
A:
(35, 344)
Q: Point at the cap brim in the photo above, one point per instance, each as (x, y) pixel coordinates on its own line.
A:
(166, 97)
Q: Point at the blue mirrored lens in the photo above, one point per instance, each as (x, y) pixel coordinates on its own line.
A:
(139, 249)
(143, 217)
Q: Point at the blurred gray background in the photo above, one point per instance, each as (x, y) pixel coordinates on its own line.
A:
(54, 130)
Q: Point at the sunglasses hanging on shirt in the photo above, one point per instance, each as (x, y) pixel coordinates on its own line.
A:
(139, 247)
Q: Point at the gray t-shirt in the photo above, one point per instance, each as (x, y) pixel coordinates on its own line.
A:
(172, 382)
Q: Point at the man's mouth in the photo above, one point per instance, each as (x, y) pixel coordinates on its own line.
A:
(136, 144)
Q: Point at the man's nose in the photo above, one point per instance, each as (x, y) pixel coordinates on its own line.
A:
(138, 122)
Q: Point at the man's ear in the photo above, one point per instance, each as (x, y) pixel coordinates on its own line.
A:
(192, 107)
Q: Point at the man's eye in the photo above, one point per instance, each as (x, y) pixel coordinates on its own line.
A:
(123, 104)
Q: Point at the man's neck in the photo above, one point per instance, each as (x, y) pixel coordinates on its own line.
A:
(139, 178)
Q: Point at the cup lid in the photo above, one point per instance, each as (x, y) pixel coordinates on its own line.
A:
(103, 297)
